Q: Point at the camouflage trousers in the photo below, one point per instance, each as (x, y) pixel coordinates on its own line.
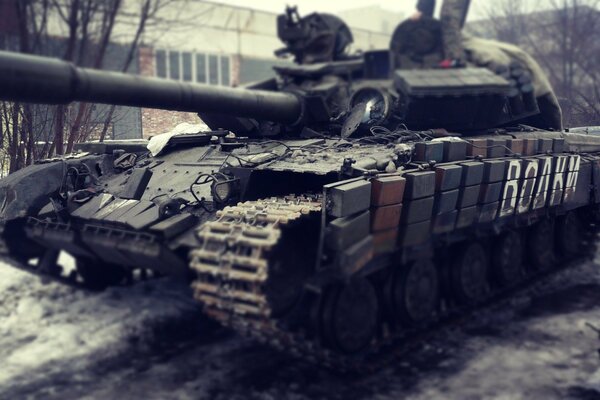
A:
(454, 13)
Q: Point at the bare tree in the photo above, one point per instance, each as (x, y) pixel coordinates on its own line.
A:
(108, 10)
(87, 28)
(148, 10)
(564, 39)
(506, 20)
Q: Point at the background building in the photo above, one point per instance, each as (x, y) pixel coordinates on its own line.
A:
(228, 45)
(563, 39)
(372, 19)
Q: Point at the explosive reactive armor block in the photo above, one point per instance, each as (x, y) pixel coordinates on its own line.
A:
(515, 146)
(446, 202)
(384, 218)
(493, 171)
(387, 190)
(417, 211)
(477, 148)
(468, 97)
(439, 201)
(429, 151)
(344, 232)
(472, 173)
(455, 150)
(558, 145)
(357, 256)
(348, 198)
(419, 185)
(448, 177)
(545, 145)
(496, 147)
(530, 146)
(490, 192)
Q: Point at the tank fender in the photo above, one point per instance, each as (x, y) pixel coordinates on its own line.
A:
(26, 191)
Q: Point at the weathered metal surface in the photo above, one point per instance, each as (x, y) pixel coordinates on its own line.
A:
(348, 198)
(419, 185)
(344, 232)
(448, 177)
(387, 190)
(322, 188)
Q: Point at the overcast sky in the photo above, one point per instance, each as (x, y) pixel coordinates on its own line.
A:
(307, 6)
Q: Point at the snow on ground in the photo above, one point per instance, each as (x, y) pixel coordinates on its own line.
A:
(51, 330)
(151, 342)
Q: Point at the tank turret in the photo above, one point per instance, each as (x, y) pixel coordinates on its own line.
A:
(319, 96)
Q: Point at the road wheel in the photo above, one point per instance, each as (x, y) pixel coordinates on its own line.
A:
(507, 259)
(291, 264)
(413, 292)
(540, 246)
(569, 235)
(469, 274)
(349, 316)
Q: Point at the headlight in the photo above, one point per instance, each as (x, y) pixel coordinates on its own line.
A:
(223, 188)
(370, 107)
(378, 105)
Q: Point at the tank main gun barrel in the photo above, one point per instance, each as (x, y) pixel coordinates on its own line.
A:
(34, 79)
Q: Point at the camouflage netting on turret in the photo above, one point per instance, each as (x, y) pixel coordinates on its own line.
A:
(485, 52)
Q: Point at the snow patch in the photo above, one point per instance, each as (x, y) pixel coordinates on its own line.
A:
(46, 325)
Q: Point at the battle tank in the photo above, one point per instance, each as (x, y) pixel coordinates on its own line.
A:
(325, 212)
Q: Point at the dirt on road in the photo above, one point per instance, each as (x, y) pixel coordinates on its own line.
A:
(150, 341)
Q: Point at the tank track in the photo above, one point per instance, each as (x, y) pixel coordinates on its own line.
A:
(230, 285)
(52, 272)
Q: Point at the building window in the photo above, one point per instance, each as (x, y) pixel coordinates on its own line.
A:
(174, 64)
(201, 68)
(186, 59)
(161, 64)
(225, 72)
(213, 70)
(193, 67)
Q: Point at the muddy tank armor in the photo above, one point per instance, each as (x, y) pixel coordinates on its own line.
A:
(330, 212)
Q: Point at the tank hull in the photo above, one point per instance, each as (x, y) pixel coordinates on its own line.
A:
(313, 251)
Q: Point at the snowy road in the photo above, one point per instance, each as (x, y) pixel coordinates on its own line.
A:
(151, 342)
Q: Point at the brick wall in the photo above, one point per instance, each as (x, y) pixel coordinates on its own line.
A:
(243, 70)
(155, 122)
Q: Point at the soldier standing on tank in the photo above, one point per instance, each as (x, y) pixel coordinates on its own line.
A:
(453, 18)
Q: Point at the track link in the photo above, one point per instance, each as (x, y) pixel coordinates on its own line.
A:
(232, 267)
(232, 263)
